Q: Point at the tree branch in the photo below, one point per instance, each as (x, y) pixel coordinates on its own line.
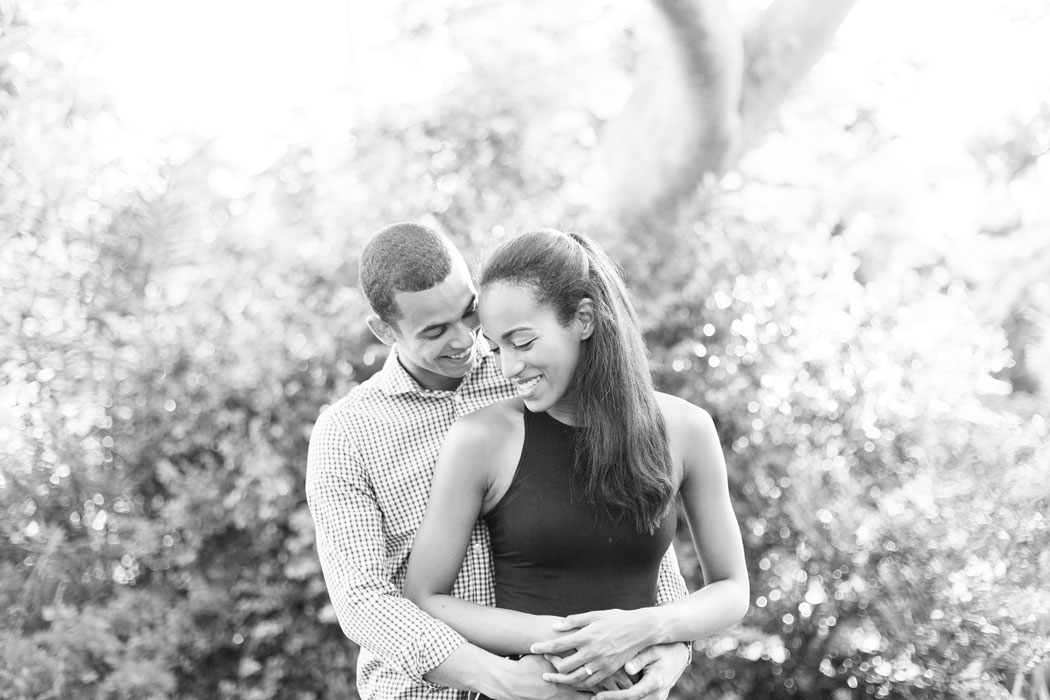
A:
(783, 44)
(705, 91)
(710, 49)
(682, 119)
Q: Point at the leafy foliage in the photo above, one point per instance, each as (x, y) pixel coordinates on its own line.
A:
(893, 521)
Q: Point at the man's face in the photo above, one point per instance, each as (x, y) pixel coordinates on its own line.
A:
(437, 330)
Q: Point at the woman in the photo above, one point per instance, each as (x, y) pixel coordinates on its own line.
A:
(576, 478)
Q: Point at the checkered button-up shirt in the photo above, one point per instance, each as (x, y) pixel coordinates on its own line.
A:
(369, 468)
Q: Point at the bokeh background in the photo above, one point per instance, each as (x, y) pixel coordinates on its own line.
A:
(834, 216)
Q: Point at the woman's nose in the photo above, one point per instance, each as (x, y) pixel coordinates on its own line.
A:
(511, 366)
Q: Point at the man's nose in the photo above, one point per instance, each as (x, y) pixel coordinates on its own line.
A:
(464, 335)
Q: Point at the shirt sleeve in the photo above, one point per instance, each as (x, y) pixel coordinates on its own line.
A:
(351, 548)
(670, 586)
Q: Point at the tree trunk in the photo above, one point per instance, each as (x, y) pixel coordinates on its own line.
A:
(782, 46)
(705, 90)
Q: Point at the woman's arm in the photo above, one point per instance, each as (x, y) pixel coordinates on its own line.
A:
(474, 451)
(723, 600)
(704, 491)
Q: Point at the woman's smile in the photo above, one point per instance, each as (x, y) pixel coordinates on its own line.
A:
(525, 386)
(538, 352)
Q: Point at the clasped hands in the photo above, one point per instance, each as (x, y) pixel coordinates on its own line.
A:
(607, 650)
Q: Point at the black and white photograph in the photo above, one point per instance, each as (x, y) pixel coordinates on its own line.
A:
(503, 350)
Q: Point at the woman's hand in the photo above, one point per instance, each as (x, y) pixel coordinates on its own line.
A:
(618, 680)
(598, 644)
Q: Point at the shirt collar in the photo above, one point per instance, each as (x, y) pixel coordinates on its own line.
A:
(394, 379)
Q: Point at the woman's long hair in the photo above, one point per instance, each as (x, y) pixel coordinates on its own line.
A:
(623, 458)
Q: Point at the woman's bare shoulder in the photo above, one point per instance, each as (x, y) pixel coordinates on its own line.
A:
(489, 425)
(685, 419)
(693, 437)
(677, 408)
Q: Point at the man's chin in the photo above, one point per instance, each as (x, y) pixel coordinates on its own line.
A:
(458, 368)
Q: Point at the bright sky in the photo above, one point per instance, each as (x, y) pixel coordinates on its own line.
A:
(241, 70)
(260, 72)
(978, 63)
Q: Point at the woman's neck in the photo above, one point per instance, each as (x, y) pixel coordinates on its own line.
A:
(564, 411)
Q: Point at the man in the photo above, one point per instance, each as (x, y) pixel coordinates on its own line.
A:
(370, 463)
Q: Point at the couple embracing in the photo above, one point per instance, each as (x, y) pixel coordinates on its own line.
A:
(495, 508)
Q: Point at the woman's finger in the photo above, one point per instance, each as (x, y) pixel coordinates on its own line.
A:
(555, 646)
(571, 622)
(577, 660)
(576, 664)
(561, 666)
(583, 676)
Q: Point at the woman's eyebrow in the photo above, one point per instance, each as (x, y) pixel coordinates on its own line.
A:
(512, 331)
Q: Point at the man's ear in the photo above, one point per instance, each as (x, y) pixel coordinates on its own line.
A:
(585, 317)
(381, 329)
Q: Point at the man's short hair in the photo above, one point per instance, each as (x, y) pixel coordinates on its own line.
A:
(403, 257)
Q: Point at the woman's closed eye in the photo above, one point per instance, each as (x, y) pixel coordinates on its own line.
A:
(517, 346)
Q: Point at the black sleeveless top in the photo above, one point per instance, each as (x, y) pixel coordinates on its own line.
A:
(553, 552)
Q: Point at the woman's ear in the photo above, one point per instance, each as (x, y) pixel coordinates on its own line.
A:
(585, 317)
(381, 329)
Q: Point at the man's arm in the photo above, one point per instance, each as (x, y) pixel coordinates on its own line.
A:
(352, 551)
(661, 666)
(670, 585)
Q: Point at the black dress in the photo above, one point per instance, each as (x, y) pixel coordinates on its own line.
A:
(553, 552)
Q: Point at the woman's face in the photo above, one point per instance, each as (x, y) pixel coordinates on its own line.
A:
(537, 353)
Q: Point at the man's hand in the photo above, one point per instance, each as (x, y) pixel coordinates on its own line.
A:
(661, 666)
(597, 644)
(523, 680)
